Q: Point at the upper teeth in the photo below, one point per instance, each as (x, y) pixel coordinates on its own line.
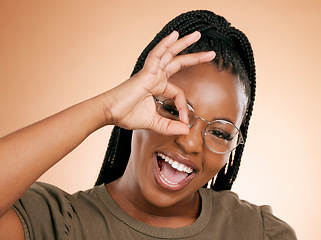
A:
(178, 166)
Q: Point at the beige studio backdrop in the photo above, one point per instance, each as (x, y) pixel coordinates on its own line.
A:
(54, 54)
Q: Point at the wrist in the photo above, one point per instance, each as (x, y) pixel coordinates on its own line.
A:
(104, 102)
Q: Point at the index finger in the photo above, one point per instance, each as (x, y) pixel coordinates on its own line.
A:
(177, 94)
(179, 46)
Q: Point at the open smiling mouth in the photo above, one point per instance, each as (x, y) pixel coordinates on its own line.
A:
(172, 174)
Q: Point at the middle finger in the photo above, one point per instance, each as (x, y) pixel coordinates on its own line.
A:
(177, 47)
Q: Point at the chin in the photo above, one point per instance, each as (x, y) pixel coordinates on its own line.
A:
(161, 199)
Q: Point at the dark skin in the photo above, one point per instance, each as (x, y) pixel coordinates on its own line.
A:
(214, 95)
(28, 153)
(130, 105)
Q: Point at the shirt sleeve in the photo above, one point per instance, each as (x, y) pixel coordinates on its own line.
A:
(45, 212)
(274, 228)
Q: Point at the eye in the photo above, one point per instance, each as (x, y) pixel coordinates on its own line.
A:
(170, 108)
(219, 133)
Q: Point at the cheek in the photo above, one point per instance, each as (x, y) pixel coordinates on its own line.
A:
(140, 158)
(139, 144)
(137, 139)
(214, 163)
(137, 149)
(142, 140)
(147, 139)
(143, 145)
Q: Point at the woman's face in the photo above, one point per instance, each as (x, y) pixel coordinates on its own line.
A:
(214, 95)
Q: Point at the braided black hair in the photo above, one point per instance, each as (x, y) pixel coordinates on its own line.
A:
(233, 53)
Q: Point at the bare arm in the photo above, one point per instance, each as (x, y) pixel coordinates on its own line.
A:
(28, 153)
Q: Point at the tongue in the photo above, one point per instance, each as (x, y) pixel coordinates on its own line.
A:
(171, 174)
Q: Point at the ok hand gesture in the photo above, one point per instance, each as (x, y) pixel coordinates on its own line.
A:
(131, 105)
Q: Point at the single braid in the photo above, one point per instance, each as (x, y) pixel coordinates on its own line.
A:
(116, 157)
(233, 52)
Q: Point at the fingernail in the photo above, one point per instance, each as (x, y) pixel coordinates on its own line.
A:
(196, 33)
(174, 33)
(210, 54)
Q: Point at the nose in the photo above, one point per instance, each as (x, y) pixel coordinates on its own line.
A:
(193, 142)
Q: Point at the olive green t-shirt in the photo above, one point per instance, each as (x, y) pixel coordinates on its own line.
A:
(47, 212)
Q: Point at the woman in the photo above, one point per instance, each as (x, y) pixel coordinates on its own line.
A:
(181, 120)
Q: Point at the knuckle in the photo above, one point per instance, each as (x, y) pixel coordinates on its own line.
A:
(173, 54)
(182, 66)
(167, 74)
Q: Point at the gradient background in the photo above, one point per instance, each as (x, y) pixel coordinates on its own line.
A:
(54, 54)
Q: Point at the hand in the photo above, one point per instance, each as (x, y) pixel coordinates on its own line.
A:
(131, 104)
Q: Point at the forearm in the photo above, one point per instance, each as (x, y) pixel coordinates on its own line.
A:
(26, 154)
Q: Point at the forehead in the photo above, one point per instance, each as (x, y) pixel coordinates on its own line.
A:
(213, 94)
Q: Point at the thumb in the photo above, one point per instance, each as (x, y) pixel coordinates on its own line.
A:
(170, 127)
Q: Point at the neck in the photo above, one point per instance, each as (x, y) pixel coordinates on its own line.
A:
(131, 200)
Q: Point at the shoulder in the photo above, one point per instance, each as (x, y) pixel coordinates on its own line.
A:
(40, 191)
(46, 198)
(229, 202)
(47, 211)
(42, 210)
(41, 198)
(245, 215)
(275, 228)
